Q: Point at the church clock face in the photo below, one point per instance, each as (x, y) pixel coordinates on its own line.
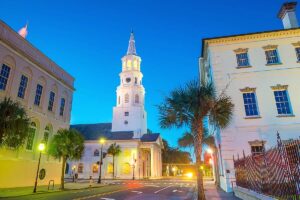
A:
(128, 80)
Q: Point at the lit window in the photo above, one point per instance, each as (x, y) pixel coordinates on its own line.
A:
(51, 101)
(46, 135)
(62, 106)
(95, 168)
(242, 59)
(80, 168)
(22, 86)
(38, 94)
(272, 56)
(31, 135)
(96, 152)
(137, 98)
(135, 64)
(4, 74)
(126, 113)
(250, 104)
(282, 102)
(110, 168)
(126, 168)
(298, 53)
(126, 98)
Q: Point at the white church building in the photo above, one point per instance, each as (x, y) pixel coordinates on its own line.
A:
(140, 151)
(261, 73)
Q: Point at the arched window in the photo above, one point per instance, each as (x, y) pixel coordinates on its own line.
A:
(96, 152)
(126, 98)
(31, 136)
(136, 99)
(46, 134)
(109, 168)
(80, 168)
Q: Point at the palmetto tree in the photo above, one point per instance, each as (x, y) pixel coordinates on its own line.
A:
(188, 106)
(14, 124)
(66, 144)
(114, 150)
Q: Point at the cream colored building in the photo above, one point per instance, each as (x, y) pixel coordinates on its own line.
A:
(141, 152)
(45, 90)
(261, 73)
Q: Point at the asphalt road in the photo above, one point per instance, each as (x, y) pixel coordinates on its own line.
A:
(151, 190)
(125, 190)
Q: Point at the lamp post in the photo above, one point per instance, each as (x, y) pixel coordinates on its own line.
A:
(133, 168)
(40, 148)
(102, 141)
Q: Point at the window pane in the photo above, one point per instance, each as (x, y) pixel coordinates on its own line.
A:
(51, 101)
(282, 102)
(250, 104)
(22, 86)
(4, 74)
(242, 59)
(62, 106)
(38, 94)
(272, 56)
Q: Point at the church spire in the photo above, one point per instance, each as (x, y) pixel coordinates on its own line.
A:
(131, 47)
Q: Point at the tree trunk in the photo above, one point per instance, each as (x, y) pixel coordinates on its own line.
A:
(198, 152)
(62, 179)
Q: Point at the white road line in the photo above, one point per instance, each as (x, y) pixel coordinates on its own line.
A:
(138, 192)
(162, 189)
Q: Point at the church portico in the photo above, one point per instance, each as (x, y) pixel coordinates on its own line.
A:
(140, 155)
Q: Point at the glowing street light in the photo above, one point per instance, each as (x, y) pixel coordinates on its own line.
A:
(102, 142)
(41, 148)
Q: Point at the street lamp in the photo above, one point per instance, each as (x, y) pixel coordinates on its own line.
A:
(102, 141)
(40, 148)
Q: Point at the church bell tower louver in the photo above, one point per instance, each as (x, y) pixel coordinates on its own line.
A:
(129, 114)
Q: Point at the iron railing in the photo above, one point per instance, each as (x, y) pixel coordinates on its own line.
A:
(275, 172)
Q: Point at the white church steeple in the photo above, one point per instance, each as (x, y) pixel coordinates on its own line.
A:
(129, 114)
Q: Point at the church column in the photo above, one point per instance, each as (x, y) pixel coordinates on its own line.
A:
(152, 162)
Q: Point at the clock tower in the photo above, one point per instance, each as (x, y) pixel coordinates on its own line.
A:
(129, 114)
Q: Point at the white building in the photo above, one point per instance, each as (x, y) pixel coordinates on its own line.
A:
(141, 152)
(260, 72)
(45, 90)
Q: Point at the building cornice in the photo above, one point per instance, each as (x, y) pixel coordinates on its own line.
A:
(248, 36)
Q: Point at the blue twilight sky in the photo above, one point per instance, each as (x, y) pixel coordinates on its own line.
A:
(88, 38)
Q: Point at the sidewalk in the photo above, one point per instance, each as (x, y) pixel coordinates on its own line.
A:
(214, 193)
(21, 191)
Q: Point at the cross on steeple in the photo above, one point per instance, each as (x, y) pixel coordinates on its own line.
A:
(131, 46)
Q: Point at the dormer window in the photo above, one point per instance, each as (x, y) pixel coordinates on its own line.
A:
(257, 147)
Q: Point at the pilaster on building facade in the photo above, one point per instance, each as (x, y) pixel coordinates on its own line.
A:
(260, 72)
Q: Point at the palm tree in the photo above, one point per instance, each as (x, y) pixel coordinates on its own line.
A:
(66, 144)
(114, 150)
(189, 106)
(14, 124)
